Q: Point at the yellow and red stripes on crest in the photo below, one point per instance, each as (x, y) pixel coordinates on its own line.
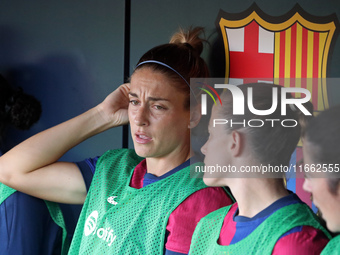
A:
(299, 54)
(305, 33)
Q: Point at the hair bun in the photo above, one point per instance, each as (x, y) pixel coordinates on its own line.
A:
(190, 38)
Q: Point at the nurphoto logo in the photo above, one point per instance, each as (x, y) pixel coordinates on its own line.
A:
(238, 100)
(204, 97)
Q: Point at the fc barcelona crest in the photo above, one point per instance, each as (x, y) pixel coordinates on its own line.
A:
(292, 50)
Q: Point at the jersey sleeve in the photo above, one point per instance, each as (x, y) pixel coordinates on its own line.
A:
(305, 241)
(184, 218)
(87, 168)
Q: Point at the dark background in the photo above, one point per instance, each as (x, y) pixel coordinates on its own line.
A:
(70, 54)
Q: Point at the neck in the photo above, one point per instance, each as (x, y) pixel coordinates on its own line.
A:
(161, 165)
(253, 195)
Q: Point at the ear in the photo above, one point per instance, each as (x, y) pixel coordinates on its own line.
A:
(195, 116)
(236, 143)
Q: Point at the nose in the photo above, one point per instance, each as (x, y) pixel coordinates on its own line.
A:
(307, 185)
(141, 116)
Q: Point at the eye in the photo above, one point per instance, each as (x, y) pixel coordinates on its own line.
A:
(134, 102)
(158, 107)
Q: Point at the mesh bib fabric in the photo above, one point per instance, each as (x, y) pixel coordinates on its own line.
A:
(261, 241)
(333, 247)
(119, 219)
(5, 192)
(57, 216)
(53, 208)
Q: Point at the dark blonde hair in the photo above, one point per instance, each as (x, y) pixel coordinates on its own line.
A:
(182, 53)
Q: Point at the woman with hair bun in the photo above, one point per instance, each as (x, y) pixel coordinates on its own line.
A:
(26, 225)
(267, 218)
(139, 201)
(321, 150)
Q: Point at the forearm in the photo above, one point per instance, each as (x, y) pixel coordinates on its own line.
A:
(48, 146)
(32, 167)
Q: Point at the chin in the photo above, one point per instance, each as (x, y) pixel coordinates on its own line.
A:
(142, 153)
(210, 181)
(141, 150)
(333, 226)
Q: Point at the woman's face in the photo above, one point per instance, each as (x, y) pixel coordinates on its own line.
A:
(215, 151)
(159, 122)
(327, 202)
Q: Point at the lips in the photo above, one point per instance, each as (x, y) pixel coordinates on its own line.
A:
(142, 138)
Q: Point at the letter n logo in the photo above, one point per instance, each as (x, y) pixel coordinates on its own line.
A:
(205, 87)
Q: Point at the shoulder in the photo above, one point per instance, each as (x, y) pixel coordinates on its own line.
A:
(184, 218)
(209, 197)
(203, 202)
(120, 158)
(117, 153)
(90, 164)
(300, 241)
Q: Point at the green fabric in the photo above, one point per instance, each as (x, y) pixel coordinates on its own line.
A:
(5, 192)
(261, 241)
(53, 208)
(333, 247)
(119, 219)
(58, 218)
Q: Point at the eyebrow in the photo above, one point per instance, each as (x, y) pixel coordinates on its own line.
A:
(150, 98)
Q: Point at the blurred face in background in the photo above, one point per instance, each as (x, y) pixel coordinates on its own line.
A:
(318, 185)
(216, 151)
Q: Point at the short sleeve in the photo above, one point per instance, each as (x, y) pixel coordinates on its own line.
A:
(87, 168)
(184, 218)
(307, 241)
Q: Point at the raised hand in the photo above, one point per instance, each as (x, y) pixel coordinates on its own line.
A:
(114, 108)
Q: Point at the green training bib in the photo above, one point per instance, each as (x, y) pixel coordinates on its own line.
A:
(5, 192)
(119, 219)
(261, 241)
(333, 247)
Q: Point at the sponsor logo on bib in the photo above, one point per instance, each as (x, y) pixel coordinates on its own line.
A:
(91, 223)
(105, 234)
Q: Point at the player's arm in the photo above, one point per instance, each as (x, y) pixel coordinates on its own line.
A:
(32, 166)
